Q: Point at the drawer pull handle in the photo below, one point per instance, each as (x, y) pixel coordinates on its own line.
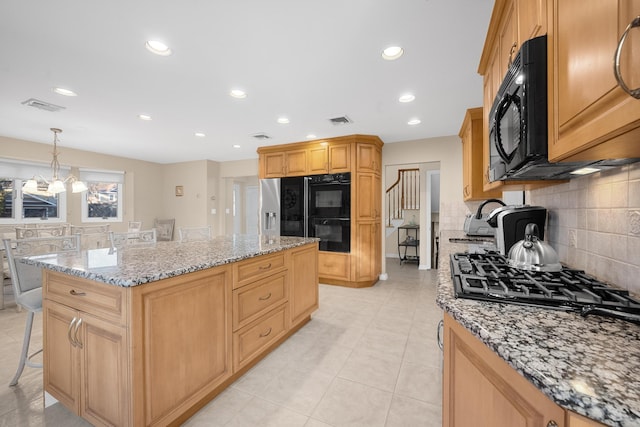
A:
(265, 267)
(79, 294)
(69, 331)
(265, 297)
(265, 334)
(75, 333)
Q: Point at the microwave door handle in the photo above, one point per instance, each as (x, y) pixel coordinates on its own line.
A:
(506, 100)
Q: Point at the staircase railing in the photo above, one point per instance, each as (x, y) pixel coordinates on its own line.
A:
(403, 194)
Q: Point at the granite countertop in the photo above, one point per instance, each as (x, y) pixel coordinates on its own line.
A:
(136, 265)
(588, 365)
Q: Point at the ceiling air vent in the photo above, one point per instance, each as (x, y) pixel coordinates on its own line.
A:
(32, 102)
(261, 136)
(342, 120)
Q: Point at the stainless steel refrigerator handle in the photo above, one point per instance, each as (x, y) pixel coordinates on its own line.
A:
(616, 62)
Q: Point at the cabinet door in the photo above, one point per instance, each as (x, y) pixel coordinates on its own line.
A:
(318, 159)
(334, 265)
(367, 246)
(304, 282)
(588, 106)
(482, 390)
(104, 379)
(473, 177)
(368, 205)
(339, 158)
(61, 361)
(532, 19)
(508, 40)
(368, 158)
(296, 163)
(273, 165)
(185, 325)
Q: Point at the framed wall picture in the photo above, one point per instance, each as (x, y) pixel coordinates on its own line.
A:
(179, 190)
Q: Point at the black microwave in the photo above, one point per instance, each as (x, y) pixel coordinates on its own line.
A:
(518, 121)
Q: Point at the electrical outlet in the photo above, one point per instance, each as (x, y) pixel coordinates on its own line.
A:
(573, 239)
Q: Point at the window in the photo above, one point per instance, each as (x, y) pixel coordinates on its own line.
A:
(102, 202)
(21, 207)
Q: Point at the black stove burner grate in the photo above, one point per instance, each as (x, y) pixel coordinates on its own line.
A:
(488, 277)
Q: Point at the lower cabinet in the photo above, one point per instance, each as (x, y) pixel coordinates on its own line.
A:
(153, 354)
(482, 390)
(86, 364)
(303, 274)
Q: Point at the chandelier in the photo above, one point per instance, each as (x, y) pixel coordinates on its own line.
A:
(56, 184)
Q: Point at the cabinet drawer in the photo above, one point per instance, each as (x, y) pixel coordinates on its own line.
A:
(100, 299)
(253, 339)
(250, 301)
(245, 272)
(334, 265)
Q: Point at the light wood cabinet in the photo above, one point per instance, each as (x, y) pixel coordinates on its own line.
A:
(480, 389)
(86, 361)
(367, 265)
(155, 353)
(303, 272)
(591, 118)
(360, 155)
(473, 178)
(287, 163)
(329, 158)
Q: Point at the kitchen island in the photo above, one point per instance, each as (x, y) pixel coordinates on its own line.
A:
(573, 365)
(147, 335)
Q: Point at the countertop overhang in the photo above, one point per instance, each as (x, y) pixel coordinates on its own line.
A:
(139, 264)
(587, 365)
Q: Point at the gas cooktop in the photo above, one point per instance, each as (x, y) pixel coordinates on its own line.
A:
(488, 277)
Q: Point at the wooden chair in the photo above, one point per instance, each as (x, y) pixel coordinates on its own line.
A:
(135, 238)
(92, 236)
(193, 234)
(164, 229)
(27, 282)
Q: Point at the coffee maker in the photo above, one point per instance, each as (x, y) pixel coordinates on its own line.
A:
(511, 221)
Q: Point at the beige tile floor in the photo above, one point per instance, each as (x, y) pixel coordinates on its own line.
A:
(368, 357)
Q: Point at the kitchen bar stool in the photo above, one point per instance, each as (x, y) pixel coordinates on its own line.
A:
(193, 234)
(27, 282)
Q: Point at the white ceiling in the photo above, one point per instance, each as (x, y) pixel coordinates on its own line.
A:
(307, 60)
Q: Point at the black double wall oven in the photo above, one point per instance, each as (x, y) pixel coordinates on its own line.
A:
(318, 206)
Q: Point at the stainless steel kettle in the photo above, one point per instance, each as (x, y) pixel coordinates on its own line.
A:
(532, 253)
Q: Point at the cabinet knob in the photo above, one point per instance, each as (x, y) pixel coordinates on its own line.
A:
(552, 423)
(514, 47)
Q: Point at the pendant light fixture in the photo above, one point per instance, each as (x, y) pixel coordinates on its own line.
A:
(56, 183)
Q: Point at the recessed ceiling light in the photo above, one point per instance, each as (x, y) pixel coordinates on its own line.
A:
(238, 93)
(200, 134)
(158, 48)
(236, 146)
(407, 97)
(311, 136)
(414, 122)
(283, 120)
(144, 117)
(63, 91)
(392, 53)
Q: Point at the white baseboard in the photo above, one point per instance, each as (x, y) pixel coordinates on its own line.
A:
(49, 400)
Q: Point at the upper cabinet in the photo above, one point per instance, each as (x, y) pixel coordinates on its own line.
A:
(473, 178)
(591, 117)
(283, 163)
(329, 158)
(369, 156)
(512, 22)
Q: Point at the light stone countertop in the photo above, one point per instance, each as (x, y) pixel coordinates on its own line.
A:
(588, 365)
(136, 265)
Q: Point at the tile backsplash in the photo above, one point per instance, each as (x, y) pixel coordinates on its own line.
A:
(594, 224)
